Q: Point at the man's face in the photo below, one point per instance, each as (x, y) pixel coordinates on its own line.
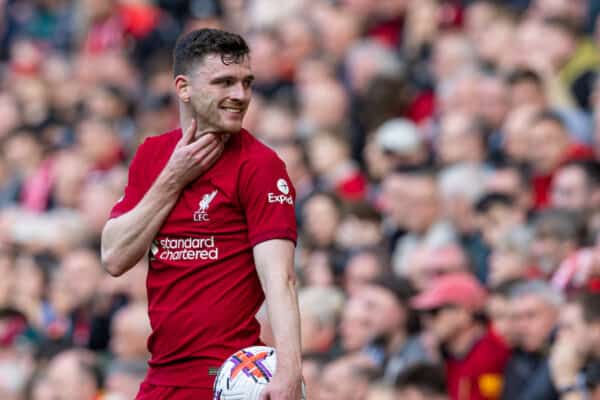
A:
(549, 252)
(423, 202)
(394, 192)
(526, 93)
(82, 270)
(322, 219)
(339, 382)
(534, 320)
(220, 93)
(360, 270)
(506, 264)
(497, 221)
(446, 322)
(570, 189)
(456, 143)
(498, 309)
(355, 330)
(550, 142)
(384, 314)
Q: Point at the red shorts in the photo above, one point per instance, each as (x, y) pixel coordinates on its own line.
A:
(149, 391)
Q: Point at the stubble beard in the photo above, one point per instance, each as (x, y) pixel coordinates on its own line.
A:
(212, 120)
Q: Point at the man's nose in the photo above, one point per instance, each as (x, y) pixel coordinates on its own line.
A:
(240, 92)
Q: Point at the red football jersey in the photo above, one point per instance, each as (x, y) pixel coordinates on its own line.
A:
(203, 288)
(478, 376)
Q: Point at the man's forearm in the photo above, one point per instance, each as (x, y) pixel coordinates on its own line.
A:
(127, 238)
(282, 306)
(275, 266)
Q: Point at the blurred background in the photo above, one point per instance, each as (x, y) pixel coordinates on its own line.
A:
(445, 156)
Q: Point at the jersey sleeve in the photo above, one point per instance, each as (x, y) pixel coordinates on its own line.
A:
(138, 181)
(267, 197)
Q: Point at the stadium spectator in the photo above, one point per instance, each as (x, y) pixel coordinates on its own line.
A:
(422, 382)
(392, 324)
(535, 309)
(557, 234)
(511, 258)
(362, 268)
(320, 309)
(460, 140)
(575, 187)
(452, 313)
(344, 378)
(424, 223)
(358, 98)
(553, 146)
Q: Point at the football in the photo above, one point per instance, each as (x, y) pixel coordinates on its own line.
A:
(245, 373)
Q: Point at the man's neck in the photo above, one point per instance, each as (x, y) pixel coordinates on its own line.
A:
(186, 116)
(396, 341)
(462, 343)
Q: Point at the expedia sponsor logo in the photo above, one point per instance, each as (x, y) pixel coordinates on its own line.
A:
(186, 249)
(274, 198)
(281, 197)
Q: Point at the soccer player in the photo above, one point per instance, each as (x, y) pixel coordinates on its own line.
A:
(214, 210)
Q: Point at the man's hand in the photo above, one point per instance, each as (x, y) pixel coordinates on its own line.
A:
(566, 360)
(192, 157)
(283, 387)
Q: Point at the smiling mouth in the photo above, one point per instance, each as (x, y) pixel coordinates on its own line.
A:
(234, 110)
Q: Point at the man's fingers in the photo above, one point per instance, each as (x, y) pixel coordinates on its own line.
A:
(210, 155)
(204, 141)
(188, 134)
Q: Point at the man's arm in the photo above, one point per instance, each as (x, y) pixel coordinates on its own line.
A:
(275, 266)
(127, 238)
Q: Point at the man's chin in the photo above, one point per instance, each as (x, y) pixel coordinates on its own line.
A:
(232, 128)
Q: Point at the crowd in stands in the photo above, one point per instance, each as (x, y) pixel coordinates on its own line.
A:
(446, 159)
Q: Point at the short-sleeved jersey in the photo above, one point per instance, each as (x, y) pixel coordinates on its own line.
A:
(203, 288)
(478, 375)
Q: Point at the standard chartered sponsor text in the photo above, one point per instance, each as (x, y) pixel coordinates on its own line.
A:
(174, 249)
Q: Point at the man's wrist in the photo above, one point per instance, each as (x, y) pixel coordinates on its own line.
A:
(291, 366)
(169, 184)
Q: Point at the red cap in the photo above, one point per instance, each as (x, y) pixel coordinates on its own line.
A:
(460, 289)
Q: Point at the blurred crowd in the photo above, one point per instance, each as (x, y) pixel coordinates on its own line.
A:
(445, 155)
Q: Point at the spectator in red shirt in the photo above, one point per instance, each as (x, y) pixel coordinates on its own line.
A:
(473, 353)
(553, 147)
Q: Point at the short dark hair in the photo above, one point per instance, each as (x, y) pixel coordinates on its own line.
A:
(548, 116)
(491, 199)
(427, 378)
(192, 47)
(403, 291)
(522, 75)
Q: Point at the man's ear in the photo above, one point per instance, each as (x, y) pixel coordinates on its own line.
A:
(182, 88)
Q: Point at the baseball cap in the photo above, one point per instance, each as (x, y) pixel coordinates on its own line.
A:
(398, 135)
(460, 289)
